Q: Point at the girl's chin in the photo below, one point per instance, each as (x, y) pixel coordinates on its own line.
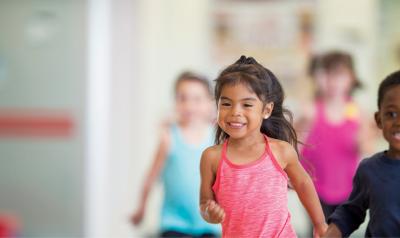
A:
(236, 135)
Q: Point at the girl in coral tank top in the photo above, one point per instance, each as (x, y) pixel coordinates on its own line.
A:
(244, 178)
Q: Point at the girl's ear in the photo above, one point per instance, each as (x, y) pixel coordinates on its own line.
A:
(378, 119)
(268, 110)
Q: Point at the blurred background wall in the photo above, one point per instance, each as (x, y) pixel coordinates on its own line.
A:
(89, 82)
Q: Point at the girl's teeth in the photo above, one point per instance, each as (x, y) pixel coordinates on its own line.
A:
(237, 125)
(397, 135)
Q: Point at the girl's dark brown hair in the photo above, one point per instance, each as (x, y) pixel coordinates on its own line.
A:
(190, 76)
(267, 87)
(333, 60)
(314, 65)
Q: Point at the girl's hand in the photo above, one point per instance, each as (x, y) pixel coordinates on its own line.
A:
(137, 217)
(333, 231)
(214, 212)
(320, 230)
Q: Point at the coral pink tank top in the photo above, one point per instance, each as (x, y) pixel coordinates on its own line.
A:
(253, 196)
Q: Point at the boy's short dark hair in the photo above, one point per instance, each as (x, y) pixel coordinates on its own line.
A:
(191, 76)
(389, 82)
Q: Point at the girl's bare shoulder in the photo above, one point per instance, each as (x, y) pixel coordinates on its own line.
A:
(282, 151)
(212, 155)
(279, 144)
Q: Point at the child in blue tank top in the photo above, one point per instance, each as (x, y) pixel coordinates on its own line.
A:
(177, 161)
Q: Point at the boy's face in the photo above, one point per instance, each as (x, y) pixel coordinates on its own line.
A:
(388, 119)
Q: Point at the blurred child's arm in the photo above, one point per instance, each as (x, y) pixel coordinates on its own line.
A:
(156, 167)
(304, 187)
(304, 120)
(209, 208)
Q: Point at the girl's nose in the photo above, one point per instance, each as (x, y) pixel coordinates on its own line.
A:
(236, 110)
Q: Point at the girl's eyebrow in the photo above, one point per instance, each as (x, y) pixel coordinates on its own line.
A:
(249, 99)
(225, 98)
(243, 99)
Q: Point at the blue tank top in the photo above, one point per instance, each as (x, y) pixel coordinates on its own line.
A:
(181, 182)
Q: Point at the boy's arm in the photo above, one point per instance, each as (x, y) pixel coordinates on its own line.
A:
(156, 167)
(209, 209)
(351, 214)
(304, 187)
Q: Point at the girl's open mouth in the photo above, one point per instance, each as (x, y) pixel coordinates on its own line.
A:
(236, 125)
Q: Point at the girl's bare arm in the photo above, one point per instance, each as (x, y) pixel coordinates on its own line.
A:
(156, 167)
(304, 187)
(209, 208)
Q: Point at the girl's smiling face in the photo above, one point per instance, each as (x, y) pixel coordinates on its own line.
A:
(240, 111)
(388, 119)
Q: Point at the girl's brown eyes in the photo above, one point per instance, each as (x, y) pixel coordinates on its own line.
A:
(225, 104)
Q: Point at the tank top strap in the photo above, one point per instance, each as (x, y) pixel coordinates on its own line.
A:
(174, 130)
(226, 160)
(273, 159)
(351, 113)
(224, 148)
(179, 140)
(175, 136)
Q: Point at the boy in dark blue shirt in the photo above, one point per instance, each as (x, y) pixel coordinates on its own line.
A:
(376, 185)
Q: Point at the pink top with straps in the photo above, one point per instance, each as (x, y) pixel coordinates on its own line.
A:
(331, 154)
(253, 196)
